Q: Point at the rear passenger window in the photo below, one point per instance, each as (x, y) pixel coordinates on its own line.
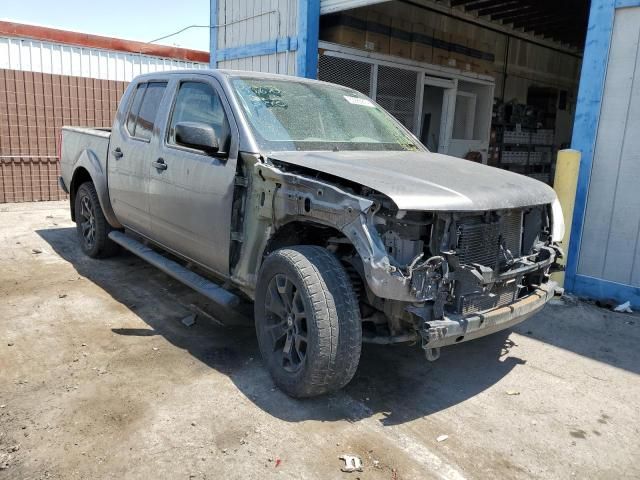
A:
(144, 107)
(199, 102)
(134, 108)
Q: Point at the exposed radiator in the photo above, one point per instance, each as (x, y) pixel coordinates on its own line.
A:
(512, 232)
(490, 244)
(482, 243)
(478, 242)
(499, 296)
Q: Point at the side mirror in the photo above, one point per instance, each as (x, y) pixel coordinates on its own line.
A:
(197, 135)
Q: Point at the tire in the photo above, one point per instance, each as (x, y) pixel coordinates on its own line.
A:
(93, 229)
(307, 321)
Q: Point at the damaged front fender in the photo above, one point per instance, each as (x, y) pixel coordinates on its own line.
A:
(385, 279)
(275, 198)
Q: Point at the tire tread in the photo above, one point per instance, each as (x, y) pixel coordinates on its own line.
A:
(104, 247)
(336, 314)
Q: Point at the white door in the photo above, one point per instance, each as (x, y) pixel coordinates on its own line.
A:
(437, 113)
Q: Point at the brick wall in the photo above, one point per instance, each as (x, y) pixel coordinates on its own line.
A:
(33, 108)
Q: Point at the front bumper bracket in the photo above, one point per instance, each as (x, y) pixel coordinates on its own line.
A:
(457, 328)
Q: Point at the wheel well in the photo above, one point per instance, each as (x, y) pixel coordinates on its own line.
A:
(302, 233)
(310, 233)
(80, 176)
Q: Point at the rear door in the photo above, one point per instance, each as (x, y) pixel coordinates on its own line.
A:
(191, 195)
(129, 150)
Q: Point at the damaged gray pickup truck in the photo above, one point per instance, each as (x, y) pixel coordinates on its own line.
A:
(310, 200)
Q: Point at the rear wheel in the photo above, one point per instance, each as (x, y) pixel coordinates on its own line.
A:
(91, 225)
(307, 321)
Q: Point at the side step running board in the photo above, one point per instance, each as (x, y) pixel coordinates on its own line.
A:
(200, 284)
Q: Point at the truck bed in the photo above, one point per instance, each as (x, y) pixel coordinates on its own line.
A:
(91, 130)
(85, 145)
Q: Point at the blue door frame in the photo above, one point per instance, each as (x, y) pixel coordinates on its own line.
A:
(585, 130)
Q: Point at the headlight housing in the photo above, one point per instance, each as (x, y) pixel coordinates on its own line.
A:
(557, 221)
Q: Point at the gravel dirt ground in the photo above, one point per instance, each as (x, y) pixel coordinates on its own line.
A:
(100, 379)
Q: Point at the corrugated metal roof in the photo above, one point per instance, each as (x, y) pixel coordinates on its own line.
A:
(62, 59)
(77, 39)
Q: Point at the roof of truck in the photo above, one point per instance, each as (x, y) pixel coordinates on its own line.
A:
(227, 73)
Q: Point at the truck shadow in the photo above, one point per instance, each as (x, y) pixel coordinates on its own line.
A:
(396, 382)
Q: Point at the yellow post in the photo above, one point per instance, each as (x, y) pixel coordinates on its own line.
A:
(565, 184)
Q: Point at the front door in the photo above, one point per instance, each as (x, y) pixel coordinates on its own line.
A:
(191, 192)
(129, 148)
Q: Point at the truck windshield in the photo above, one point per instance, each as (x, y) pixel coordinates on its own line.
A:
(291, 115)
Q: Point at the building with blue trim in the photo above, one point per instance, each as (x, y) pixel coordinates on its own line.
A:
(250, 35)
(534, 52)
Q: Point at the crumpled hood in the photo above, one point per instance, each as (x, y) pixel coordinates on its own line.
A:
(427, 181)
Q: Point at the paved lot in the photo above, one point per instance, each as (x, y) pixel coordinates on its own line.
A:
(100, 379)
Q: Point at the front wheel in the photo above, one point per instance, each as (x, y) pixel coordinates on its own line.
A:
(91, 225)
(307, 321)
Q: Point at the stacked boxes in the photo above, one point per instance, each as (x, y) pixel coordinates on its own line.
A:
(487, 59)
(458, 51)
(401, 38)
(421, 43)
(516, 138)
(523, 158)
(483, 58)
(376, 31)
(542, 137)
(377, 37)
(441, 52)
(346, 29)
(516, 157)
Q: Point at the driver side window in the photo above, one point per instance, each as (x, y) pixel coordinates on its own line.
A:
(199, 102)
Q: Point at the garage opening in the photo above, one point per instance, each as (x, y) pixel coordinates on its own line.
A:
(492, 81)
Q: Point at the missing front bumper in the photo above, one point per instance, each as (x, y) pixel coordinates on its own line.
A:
(456, 329)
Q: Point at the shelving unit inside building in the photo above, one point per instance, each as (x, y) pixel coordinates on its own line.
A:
(524, 150)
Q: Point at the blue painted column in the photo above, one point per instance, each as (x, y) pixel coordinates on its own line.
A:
(308, 35)
(585, 126)
(213, 33)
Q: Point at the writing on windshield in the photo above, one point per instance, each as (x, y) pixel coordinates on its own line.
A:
(291, 115)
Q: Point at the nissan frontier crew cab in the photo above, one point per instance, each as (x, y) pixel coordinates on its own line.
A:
(313, 202)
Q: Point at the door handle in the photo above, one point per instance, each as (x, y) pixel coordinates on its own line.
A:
(159, 164)
(117, 153)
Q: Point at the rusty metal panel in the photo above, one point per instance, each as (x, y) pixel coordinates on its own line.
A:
(33, 108)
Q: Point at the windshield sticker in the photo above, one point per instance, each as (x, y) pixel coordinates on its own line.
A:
(363, 102)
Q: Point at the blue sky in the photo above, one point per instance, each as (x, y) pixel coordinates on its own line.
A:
(141, 20)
